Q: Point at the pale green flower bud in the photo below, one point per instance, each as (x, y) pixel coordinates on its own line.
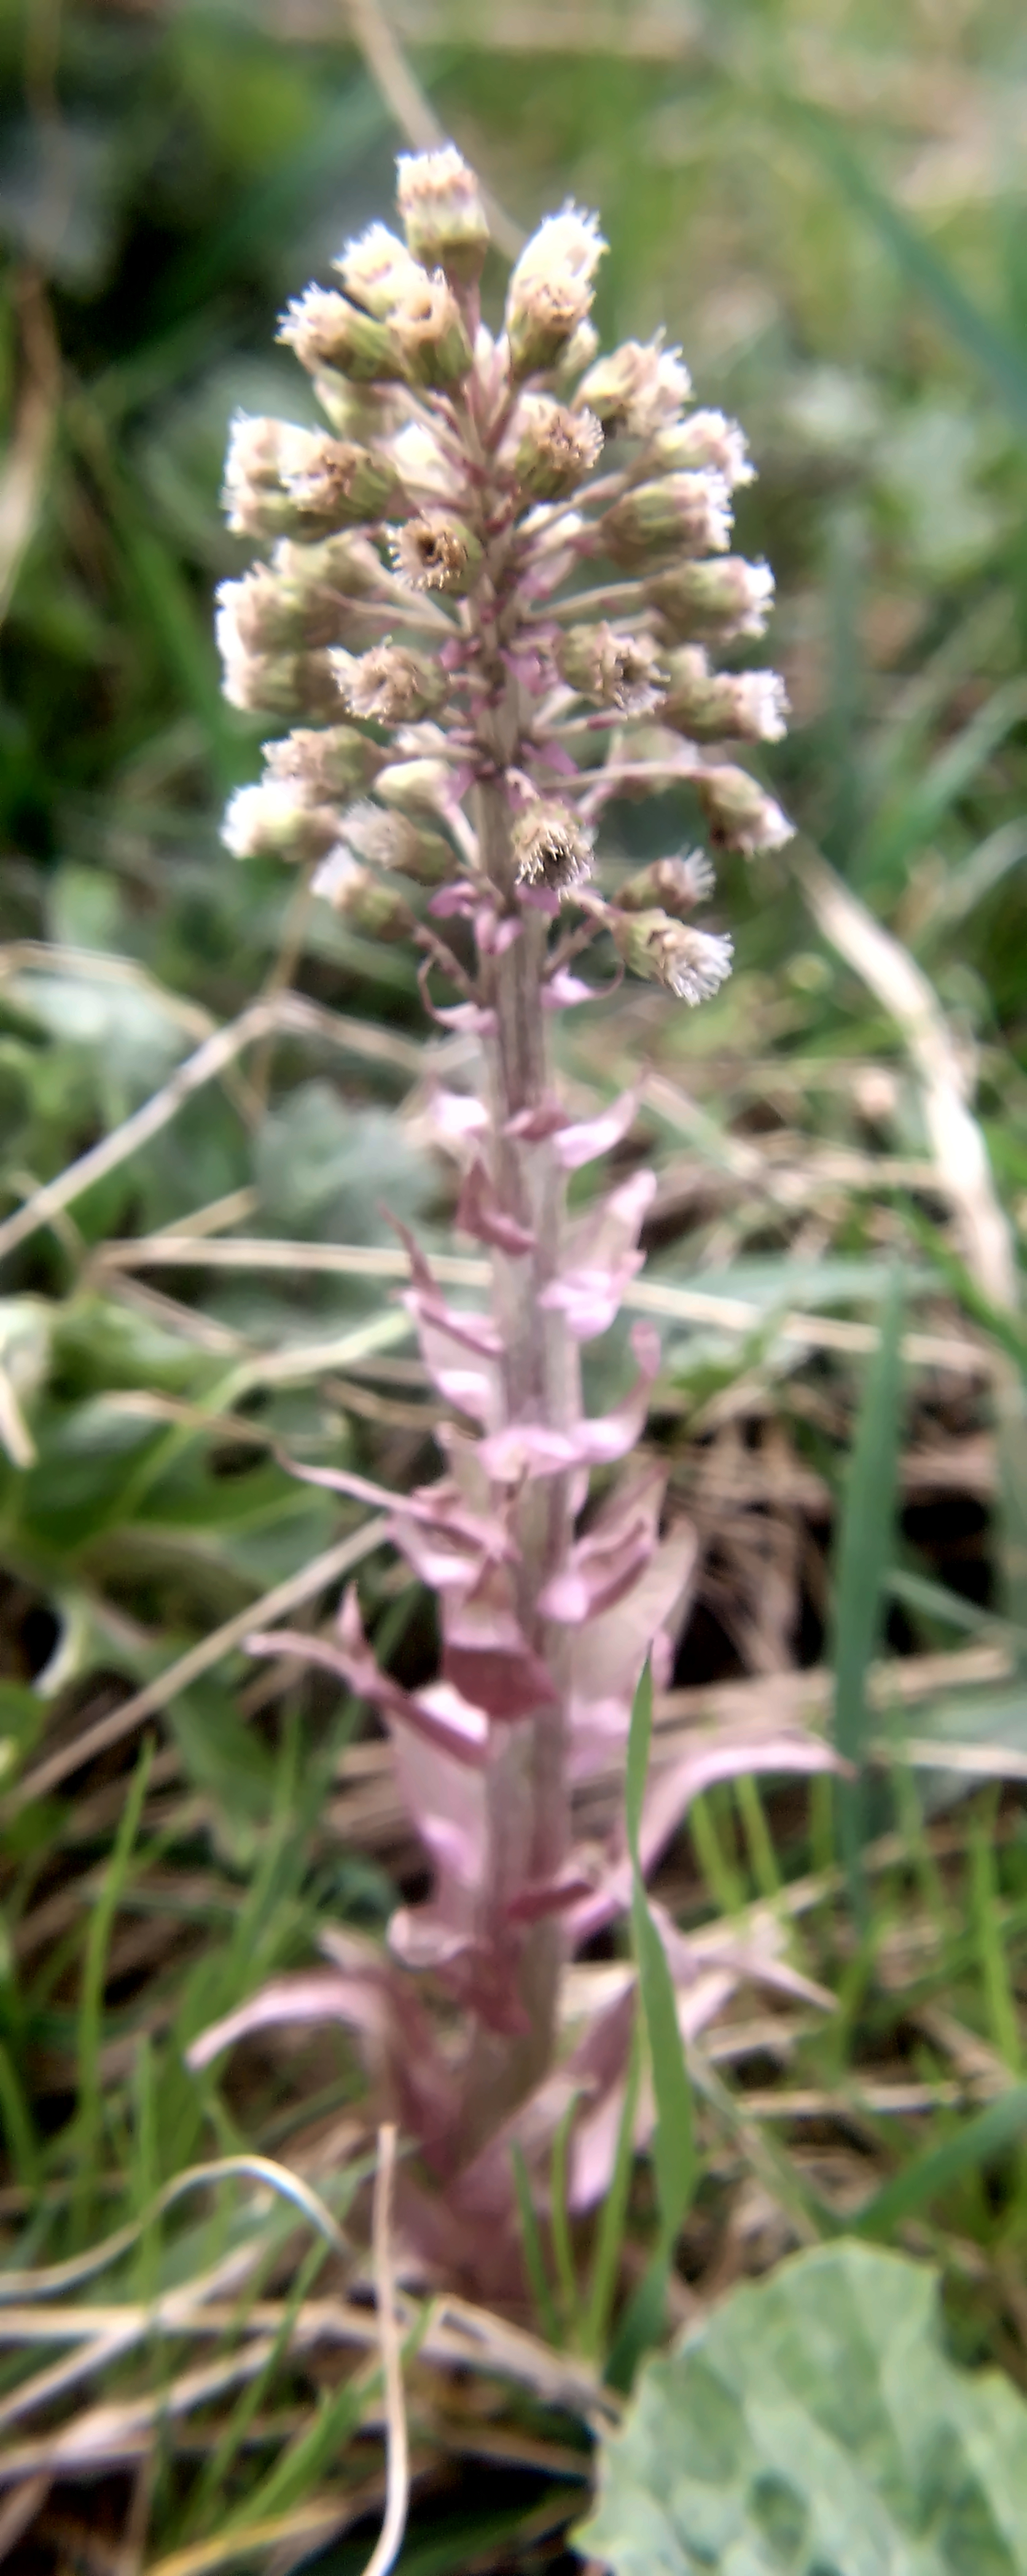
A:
(393, 842)
(578, 354)
(443, 216)
(265, 612)
(377, 270)
(325, 767)
(273, 820)
(741, 815)
(637, 388)
(391, 685)
(436, 551)
(553, 448)
(345, 563)
(364, 413)
(326, 330)
(706, 439)
(720, 600)
(361, 899)
(550, 846)
(691, 963)
(692, 510)
(290, 482)
(675, 885)
(550, 290)
(751, 705)
(282, 684)
(418, 786)
(613, 669)
(430, 331)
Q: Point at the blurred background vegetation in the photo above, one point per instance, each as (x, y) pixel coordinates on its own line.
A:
(825, 202)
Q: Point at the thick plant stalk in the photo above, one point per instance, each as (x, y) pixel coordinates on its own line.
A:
(528, 1800)
(473, 690)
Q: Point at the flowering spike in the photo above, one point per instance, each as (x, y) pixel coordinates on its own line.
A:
(410, 621)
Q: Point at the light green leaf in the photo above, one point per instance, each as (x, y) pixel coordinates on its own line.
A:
(815, 2427)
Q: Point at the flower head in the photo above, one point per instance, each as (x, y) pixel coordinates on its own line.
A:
(692, 964)
(709, 705)
(443, 216)
(613, 668)
(550, 291)
(707, 438)
(637, 388)
(676, 885)
(273, 820)
(719, 600)
(741, 814)
(326, 765)
(436, 551)
(327, 330)
(687, 511)
(429, 329)
(550, 847)
(377, 270)
(266, 613)
(393, 842)
(284, 481)
(553, 448)
(377, 911)
(390, 685)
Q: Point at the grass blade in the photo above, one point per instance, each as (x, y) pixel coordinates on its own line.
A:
(90, 2020)
(674, 2143)
(997, 356)
(863, 1556)
(674, 2156)
(613, 2211)
(534, 2258)
(939, 2168)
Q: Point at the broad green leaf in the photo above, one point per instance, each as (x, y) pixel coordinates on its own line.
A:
(814, 2426)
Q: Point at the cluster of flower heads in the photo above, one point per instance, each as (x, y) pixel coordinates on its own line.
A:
(504, 560)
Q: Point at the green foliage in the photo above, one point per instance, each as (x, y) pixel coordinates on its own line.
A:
(815, 2423)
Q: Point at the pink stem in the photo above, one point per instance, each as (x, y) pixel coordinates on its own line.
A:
(528, 1802)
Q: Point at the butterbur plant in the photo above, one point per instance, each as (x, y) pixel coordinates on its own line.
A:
(496, 583)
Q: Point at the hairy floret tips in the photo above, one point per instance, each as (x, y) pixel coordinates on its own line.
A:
(415, 615)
